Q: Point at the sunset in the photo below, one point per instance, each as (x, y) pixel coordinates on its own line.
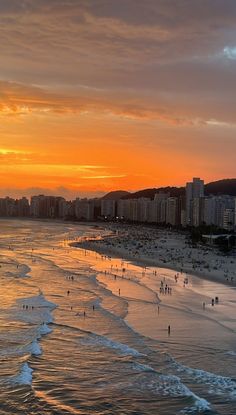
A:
(117, 207)
(99, 95)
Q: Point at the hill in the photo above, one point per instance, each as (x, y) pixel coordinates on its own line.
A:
(219, 187)
(116, 195)
(150, 193)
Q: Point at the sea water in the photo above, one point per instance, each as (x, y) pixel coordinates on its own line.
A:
(83, 333)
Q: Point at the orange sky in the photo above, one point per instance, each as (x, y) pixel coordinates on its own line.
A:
(95, 97)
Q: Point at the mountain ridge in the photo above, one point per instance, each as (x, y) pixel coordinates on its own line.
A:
(216, 188)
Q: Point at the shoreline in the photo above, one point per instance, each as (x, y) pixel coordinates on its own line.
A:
(103, 246)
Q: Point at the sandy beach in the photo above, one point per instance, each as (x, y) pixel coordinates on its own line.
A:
(77, 324)
(163, 248)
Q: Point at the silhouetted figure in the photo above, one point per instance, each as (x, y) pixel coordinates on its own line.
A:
(168, 330)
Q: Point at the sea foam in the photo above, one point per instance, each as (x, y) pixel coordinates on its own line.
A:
(44, 329)
(168, 385)
(217, 384)
(104, 341)
(35, 349)
(25, 375)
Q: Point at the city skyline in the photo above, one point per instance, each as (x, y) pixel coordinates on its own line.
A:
(190, 207)
(96, 96)
(67, 194)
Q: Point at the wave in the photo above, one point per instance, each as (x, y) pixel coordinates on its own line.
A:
(173, 386)
(142, 367)
(96, 340)
(24, 377)
(170, 385)
(217, 384)
(231, 353)
(37, 301)
(34, 348)
(44, 329)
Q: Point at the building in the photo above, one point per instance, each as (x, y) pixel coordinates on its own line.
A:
(42, 206)
(84, 209)
(23, 207)
(172, 211)
(108, 208)
(194, 189)
(228, 219)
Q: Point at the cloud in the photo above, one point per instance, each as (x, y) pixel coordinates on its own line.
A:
(175, 108)
(68, 194)
(230, 52)
(133, 74)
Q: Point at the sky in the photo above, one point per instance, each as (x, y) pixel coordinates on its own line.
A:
(98, 95)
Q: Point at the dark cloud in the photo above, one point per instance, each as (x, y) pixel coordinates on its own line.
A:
(157, 59)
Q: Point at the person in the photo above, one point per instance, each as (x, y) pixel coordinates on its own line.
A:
(212, 301)
(169, 330)
(119, 291)
(93, 308)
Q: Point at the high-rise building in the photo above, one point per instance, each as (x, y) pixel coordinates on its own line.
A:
(172, 211)
(84, 209)
(194, 189)
(108, 208)
(228, 219)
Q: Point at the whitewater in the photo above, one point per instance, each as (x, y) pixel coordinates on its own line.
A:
(84, 333)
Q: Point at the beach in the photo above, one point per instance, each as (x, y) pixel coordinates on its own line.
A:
(165, 248)
(86, 333)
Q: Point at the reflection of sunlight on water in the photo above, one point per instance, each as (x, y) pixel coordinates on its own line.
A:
(88, 351)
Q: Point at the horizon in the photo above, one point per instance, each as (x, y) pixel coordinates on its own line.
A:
(68, 195)
(124, 97)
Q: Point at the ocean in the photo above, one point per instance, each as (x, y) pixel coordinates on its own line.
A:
(83, 333)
